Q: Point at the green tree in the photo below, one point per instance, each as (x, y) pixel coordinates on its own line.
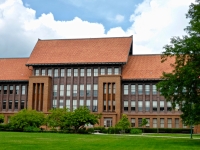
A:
(82, 116)
(182, 85)
(1, 118)
(123, 123)
(27, 118)
(144, 123)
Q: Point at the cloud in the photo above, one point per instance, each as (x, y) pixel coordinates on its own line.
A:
(119, 18)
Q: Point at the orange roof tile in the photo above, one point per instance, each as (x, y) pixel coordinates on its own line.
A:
(14, 69)
(146, 67)
(73, 51)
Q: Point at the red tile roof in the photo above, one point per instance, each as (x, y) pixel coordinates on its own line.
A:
(73, 51)
(146, 67)
(14, 69)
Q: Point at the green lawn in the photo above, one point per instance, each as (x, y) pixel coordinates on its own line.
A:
(57, 141)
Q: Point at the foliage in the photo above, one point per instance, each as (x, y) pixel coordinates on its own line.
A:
(26, 118)
(182, 85)
(135, 131)
(1, 118)
(31, 129)
(144, 123)
(123, 123)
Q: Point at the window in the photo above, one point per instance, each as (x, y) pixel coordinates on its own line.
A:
(94, 109)
(139, 122)
(162, 122)
(140, 90)
(81, 90)
(68, 104)
(43, 72)
(69, 72)
(102, 71)
(109, 71)
(95, 72)
(169, 106)
(148, 120)
(109, 88)
(139, 105)
(113, 105)
(5, 89)
(17, 90)
(54, 103)
(169, 123)
(109, 105)
(55, 72)
(16, 104)
(104, 105)
(162, 106)
(62, 72)
(22, 104)
(4, 104)
(81, 102)
(104, 88)
(61, 104)
(154, 90)
(132, 122)
(74, 104)
(95, 91)
(114, 88)
(176, 122)
(11, 89)
(147, 105)
(132, 89)
(88, 72)
(107, 122)
(154, 105)
(55, 89)
(36, 72)
(10, 104)
(61, 90)
(154, 123)
(147, 89)
(68, 90)
(116, 71)
(74, 90)
(49, 72)
(82, 72)
(88, 104)
(75, 72)
(132, 105)
(125, 89)
(125, 105)
(23, 89)
(88, 90)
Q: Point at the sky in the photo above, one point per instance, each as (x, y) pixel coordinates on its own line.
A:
(151, 22)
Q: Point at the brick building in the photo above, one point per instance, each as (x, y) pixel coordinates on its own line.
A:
(100, 73)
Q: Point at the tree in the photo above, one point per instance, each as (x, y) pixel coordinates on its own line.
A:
(182, 85)
(1, 118)
(144, 123)
(82, 116)
(123, 123)
(27, 118)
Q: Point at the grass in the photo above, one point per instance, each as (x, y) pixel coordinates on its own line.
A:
(57, 141)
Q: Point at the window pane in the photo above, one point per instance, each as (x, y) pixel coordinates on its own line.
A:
(109, 71)
(82, 72)
(147, 103)
(49, 72)
(125, 105)
(69, 72)
(125, 89)
(68, 90)
(154, 90)
(140, 90)
(75, 72)
(116, 71)
(132, 89)
(140, 105)
(102, 71)
(95, 72)
(55, 72)
(147, 89)
(62, 72)
(88, 72)
(37, 72)
(43, 72)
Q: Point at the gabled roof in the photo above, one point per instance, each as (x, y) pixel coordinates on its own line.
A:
(146, 67)
(81, 51)
(14, 69)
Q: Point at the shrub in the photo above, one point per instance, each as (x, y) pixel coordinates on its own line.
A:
(135, 131)
(32, 129)
(90, 130)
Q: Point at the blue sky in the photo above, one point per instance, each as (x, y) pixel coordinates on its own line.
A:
(151, 22)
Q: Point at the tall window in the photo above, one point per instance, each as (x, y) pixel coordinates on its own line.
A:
(147, 104)
(132, 105)
(125, 105)
(132, 122)
(94, 109)
(154, 105)
(104, 88)
(43, 72)
(109, 104)
(81, 102)
(61, 104)
(133, 89)
(169, 123)
(68, 90)
(23, 89)
(22, 104)
(109, 71)
(169, 106)
(104, 105)
(55, 90)
(113, 105)
(162, 122)
(114, 88)
(95, 72)
(125, 89)
(11, 89)
(61, 90)
(176, 122)
(148, 120)
(139, 105)
(162, 106)
(154, 123)
(102, 71)
(139, 122)
(69, 72)
(10, 104)
(55, 72)
(116, 71)
(68, 104)
(147, 89)
(82, 72)
(88, 104)
(16, 104)
(109, 88)
(88, 72)
(88, 90)
(62, 72)
(4, 104)
(140, 90)
(37, 72)
(74, 104)
(81, 90)
(55, 103)
(49, 72)
(95, 91)
(107, 122)
(5, 89)
(17, 90)
(75, 72)
(74, 90)
(154, 90)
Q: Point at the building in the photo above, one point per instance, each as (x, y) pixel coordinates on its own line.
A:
(100, 73)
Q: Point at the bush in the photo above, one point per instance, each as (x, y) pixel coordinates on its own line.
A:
(101, 129)
(135, 131)
(90, 130)
(82, 131)
(31, 129)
